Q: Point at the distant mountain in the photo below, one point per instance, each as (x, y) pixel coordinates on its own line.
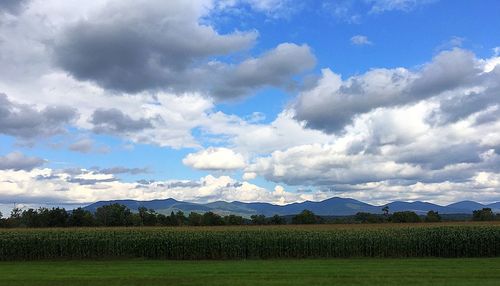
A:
(494, 206)
(423, 207)
(467, 205)
(331, 207)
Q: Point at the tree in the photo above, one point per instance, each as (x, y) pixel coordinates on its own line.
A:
(432, 216)
(31, 218)
(210, 218)
(258, 219)
(162, 219)
(368, 218)
(486, 214)
(195, 219)
(181, 218)
(306, 217)
(406, 216)
(233, 220)
(147, 217)
(113, 215)
(57, 217)
(276, 219)
(385, 211)
(80, 217)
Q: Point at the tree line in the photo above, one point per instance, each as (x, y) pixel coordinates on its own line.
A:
(120, 215)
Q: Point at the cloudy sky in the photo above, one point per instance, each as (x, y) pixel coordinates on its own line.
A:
(250, 100)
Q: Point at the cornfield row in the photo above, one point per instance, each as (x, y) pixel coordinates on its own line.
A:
(248, 243)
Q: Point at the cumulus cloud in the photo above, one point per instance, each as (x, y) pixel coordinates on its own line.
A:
(395, 146)
(137, 45)
(27, 122)
(274, 68)
(215, 159)
(259, 138)
(133, 46)
(360, 40)
(89, 186)
(113, 121)
(18, 161)
(249, 176)
(333, 102)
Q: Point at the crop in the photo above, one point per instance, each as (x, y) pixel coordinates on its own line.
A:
(250, 242)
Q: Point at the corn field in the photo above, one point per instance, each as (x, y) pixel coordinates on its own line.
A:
(250, 242)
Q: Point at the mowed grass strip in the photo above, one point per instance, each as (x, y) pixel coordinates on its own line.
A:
(252, 243)
(436, 271)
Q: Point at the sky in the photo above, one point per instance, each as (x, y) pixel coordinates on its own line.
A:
(274, 101)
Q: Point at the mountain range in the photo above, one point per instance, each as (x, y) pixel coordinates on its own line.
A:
(331, 207)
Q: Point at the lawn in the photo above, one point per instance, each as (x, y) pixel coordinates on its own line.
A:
(436, 271)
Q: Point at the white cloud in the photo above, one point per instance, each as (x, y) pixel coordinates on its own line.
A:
(85, 186)
(380, 6)
(254, 138)
(18, 161)
(215, 159)
(249, 176)
(333, 103)
(360, 40)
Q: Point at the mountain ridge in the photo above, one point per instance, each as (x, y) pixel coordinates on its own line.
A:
(334, 206)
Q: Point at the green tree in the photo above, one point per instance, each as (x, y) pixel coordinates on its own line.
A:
(80, 217)
(195, 219)
(385, 211)
(306, 217)
(364, 217)
(210, 218)
(113, 215)
(31, 218)
(57, 217)
(405, 216)
(258, 219)
(233, 220)
(432, 216)
(181, 218)
(486, 214)
(147, 217)
(162, 219)
(276, 219)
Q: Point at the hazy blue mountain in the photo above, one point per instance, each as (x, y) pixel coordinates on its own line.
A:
(423, 207)
(494, 206)
(467, 205)
(331, 207)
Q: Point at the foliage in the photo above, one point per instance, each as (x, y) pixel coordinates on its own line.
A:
(80, 217)
(113, 215)
(306, 217)
(406, 216)
(432, 216)
(363, 217)
(486, 214)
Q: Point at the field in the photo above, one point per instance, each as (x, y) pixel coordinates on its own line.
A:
(282, 242)
(386, 272)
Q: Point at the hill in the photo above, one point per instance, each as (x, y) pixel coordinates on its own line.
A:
(331, 207)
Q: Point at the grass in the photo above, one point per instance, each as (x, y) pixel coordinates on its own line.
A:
(456, 272)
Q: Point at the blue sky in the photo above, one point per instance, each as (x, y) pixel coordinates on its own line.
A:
(251, 100)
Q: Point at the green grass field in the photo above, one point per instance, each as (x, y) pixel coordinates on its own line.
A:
(453, 272)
